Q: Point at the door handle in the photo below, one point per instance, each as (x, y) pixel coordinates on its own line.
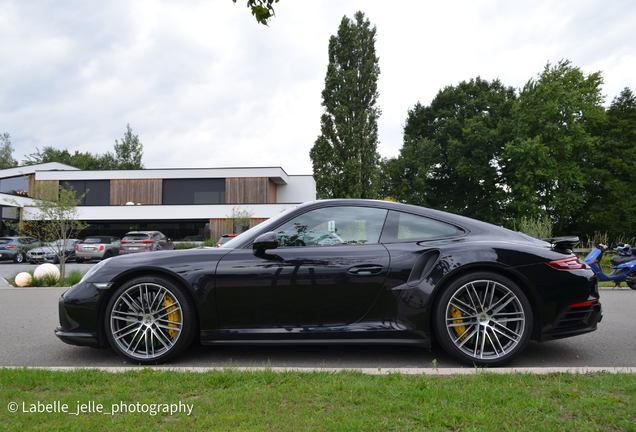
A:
(366, 269)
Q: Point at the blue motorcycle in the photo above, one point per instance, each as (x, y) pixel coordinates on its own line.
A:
(624, 264)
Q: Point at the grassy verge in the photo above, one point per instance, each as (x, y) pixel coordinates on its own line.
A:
(267, 400)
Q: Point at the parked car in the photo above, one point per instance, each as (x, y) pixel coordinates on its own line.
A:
(49, 252)
(386, 273)
(98, 248)
(224, 239)
(15, 248)
(145, 241)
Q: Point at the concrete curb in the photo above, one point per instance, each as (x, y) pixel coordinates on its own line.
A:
(368, 371)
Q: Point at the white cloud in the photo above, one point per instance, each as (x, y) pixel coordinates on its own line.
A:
(203, 85)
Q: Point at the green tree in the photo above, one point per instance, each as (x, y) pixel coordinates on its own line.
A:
(127, 155)
(344, 157)
(262, 10)
(557, 121)
(452, 154)
(129, 152)
(85, 161)
(6, 152)
(53, 216)
(612, 204)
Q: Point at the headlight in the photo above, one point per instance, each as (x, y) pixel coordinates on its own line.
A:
(93, 270)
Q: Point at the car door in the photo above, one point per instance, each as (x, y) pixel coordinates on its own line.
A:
(327, 271)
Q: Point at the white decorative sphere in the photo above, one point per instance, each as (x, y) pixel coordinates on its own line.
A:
(23, 279)
(47, 269)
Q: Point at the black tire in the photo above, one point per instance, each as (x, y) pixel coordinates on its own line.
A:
(483, 319)
(79, 260)
(632, 285)
(18, 258)
(107, 255)
(150, 331)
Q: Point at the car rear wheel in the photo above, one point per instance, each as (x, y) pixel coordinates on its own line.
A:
(18, 258)
(107, 255)
(483, 319)
(150, 320)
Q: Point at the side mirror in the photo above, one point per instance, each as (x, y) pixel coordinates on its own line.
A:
(269, 240)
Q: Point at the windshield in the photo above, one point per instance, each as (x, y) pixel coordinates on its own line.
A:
(263, 225)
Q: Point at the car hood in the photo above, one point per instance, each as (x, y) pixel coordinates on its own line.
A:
(174, 261)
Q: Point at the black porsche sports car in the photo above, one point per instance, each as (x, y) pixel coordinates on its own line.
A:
(341, 272)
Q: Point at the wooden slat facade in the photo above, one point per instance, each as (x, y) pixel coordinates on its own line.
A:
(255, 190)
(271, 195)
(138, 191)
(218, 227)
(256, 221)
(33, 182)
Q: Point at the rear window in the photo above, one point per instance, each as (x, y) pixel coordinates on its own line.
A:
(132, 237)
(92, 240)
(409, 227)
(5, 241)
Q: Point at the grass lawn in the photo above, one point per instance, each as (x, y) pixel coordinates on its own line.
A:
(229, 399)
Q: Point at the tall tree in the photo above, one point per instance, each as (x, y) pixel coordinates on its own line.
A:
(612, 204)
(451, 157)
(557, 121)
(344, 157)
(6, 152)
(129, 151)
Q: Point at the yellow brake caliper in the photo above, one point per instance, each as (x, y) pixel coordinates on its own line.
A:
(172, 316)
(456, 313)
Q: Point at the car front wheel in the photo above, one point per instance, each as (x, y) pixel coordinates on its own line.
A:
(483, 319)
(18, 258)
(150, 320)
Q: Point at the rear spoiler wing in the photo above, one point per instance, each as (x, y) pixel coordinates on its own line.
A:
(565, 244)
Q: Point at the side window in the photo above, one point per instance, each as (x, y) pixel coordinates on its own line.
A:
(405, 226)
(333, 226)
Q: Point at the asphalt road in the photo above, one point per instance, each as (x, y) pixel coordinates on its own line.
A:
(28, 317)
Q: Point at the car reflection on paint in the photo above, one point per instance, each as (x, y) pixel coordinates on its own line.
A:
(341, 272)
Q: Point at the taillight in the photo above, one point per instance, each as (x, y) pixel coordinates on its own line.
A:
(77, 248)
(101, 247)
(10, 246)
(572, 263)
(587, 303)
(147, 241)
(123, 242)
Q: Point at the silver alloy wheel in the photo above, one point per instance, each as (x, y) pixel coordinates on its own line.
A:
(485, 319)
(146, 321)
(19, 257)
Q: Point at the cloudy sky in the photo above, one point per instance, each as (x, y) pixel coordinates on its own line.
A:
(203, 85)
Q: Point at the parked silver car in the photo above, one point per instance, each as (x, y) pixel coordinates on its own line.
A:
(49, 252)
(15, 248)
(98, 248)
(145, 241)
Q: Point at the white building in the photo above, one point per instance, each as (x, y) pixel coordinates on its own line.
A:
(179, 202)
